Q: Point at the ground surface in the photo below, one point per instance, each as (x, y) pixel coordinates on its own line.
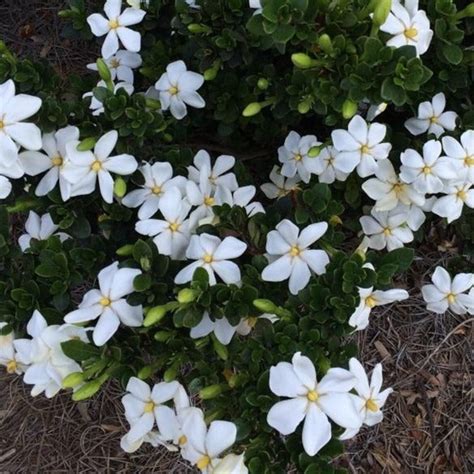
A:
(427, 425)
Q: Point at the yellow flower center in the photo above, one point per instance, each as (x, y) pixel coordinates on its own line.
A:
(2, 124)
(156, 190)
(364, 149)
(434, 120)
(387, 231)
(252, 321)
(208, 258)
(114, 63)
(148, 408)
(298, 157)
(398, 188)
(295, 251)
(203, 462)
(173, 90)
(114, 24)
(11, 366)
(312, 396)
(174, 226)
(371, 405)
(104, 301)
(411, 33)
(451, 298)
(426, 170)
(370, 301)
(96, 166)
(57, 160)
(461, 194)
(182, 440)
(209, 201)
(468, 161)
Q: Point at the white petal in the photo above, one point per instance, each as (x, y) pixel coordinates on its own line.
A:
(220, 436)
(284, 382)
(316, 430)
(285, 416)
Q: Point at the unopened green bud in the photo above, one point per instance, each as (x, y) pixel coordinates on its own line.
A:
(120, 187)
(303, 107)
(145, 372)
(314, 151)
(104, 71)
(236, 380)
(349, 109)
(86, 144)
(324, 364)
(252, 109)
(153, 104)
(265, 306)
(212, 391)
(381, 12)
(155, 315)
(325, 43)
(171, 373)
(125, 251)
(89, 389)
(23, 204)
(167, 137)
(73, 380)
(187, 295)
(263, 84)
(466, 13)
(198, 28)
(162, 336)
(210, 74)
(302, 61)
(220, 349)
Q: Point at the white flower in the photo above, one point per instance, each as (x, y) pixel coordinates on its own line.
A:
(84, 167)
(5, 187)
(39, 228)
(158, 180)
(205, 445)
(34, 162)
(387, 189)
(279, 186)
(408, 26)
(171, 234)
(375, 111)
(109, 304)
(217, 174)
(121, 65)
(13, 131)
(243, 197)
(48, 365)
(331, 166)
(446, 293)
(361, 145)
(369, 399)
(213, 254)
(463, 152)
(427, 172)
(231, 464)
(178, 87)
(8, 356)
(291, 256)
(96, 105)
(294, 156)
(368, 300)
(115, 27)
(311, 401)
(451, 205)
(386, 229)
(432, 118)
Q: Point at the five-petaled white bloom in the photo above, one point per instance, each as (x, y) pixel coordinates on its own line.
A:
(109, 304)
(311, 401)
(429, 172)
(445, 293)
(13, 131)
(213, 254)
(294, 156)
(368, 300)
(279, 185)
(158, 179)
(456, 196)
(54, 145)
(432, 118)
(462, 151)
(332, 165)
(178, 87)
(387, 189)
(96, 105)
(84, 167)
(121, 65)
(408, 26)
(8, 356)
(115, 26)
(39, 228)
(172, 233)
(291, 257)
(361, 145)
(369, 399)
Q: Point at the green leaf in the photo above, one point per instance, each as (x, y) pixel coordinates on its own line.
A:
(79, 350)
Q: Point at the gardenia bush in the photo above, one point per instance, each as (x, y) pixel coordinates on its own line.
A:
(209, 212)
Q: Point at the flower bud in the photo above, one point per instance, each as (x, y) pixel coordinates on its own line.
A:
(263, 84)
(335, 220)
(325, 43)
(155, 315)
(86, 144)
(89, 389)
(153, 104)
(220, 349)
(314, 151)
(381, 12)
(187, 295)
(210, 74)
(104, 71)
(125, 251)
(302, 61)
(467, 12)
(212, 391)
(120, 187)
(73, 380)
(304, 106)
(23, 204)
(171, 373)
(162, 336)
(145, 372)
(349, 109)
(265, 306)
(252, 109)
(197, 28)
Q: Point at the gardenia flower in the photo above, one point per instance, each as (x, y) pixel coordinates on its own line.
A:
(121, 65)
(47, 363)
(171, 234)
(96, 105)
(279, 186)
(432, 118)
(217, 174)
(463, 152)
(368, 300)
(408, 26)
(158, 180)
(213, 254)
(451, 205)
(8, 357)
(115, 27)
(242, 197)
(294, 156)
(85, 167)
(445, 293)
(34, 162)
(427, 172)
(361, 145)
(375, 111)
(331, 165)
(386, 229)
(369, 399)
(387, 189)
(39, 228)
(231, 464)
(291, 256)
(311, 401)
(178, 87)
(109, 304)
(13, 131)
